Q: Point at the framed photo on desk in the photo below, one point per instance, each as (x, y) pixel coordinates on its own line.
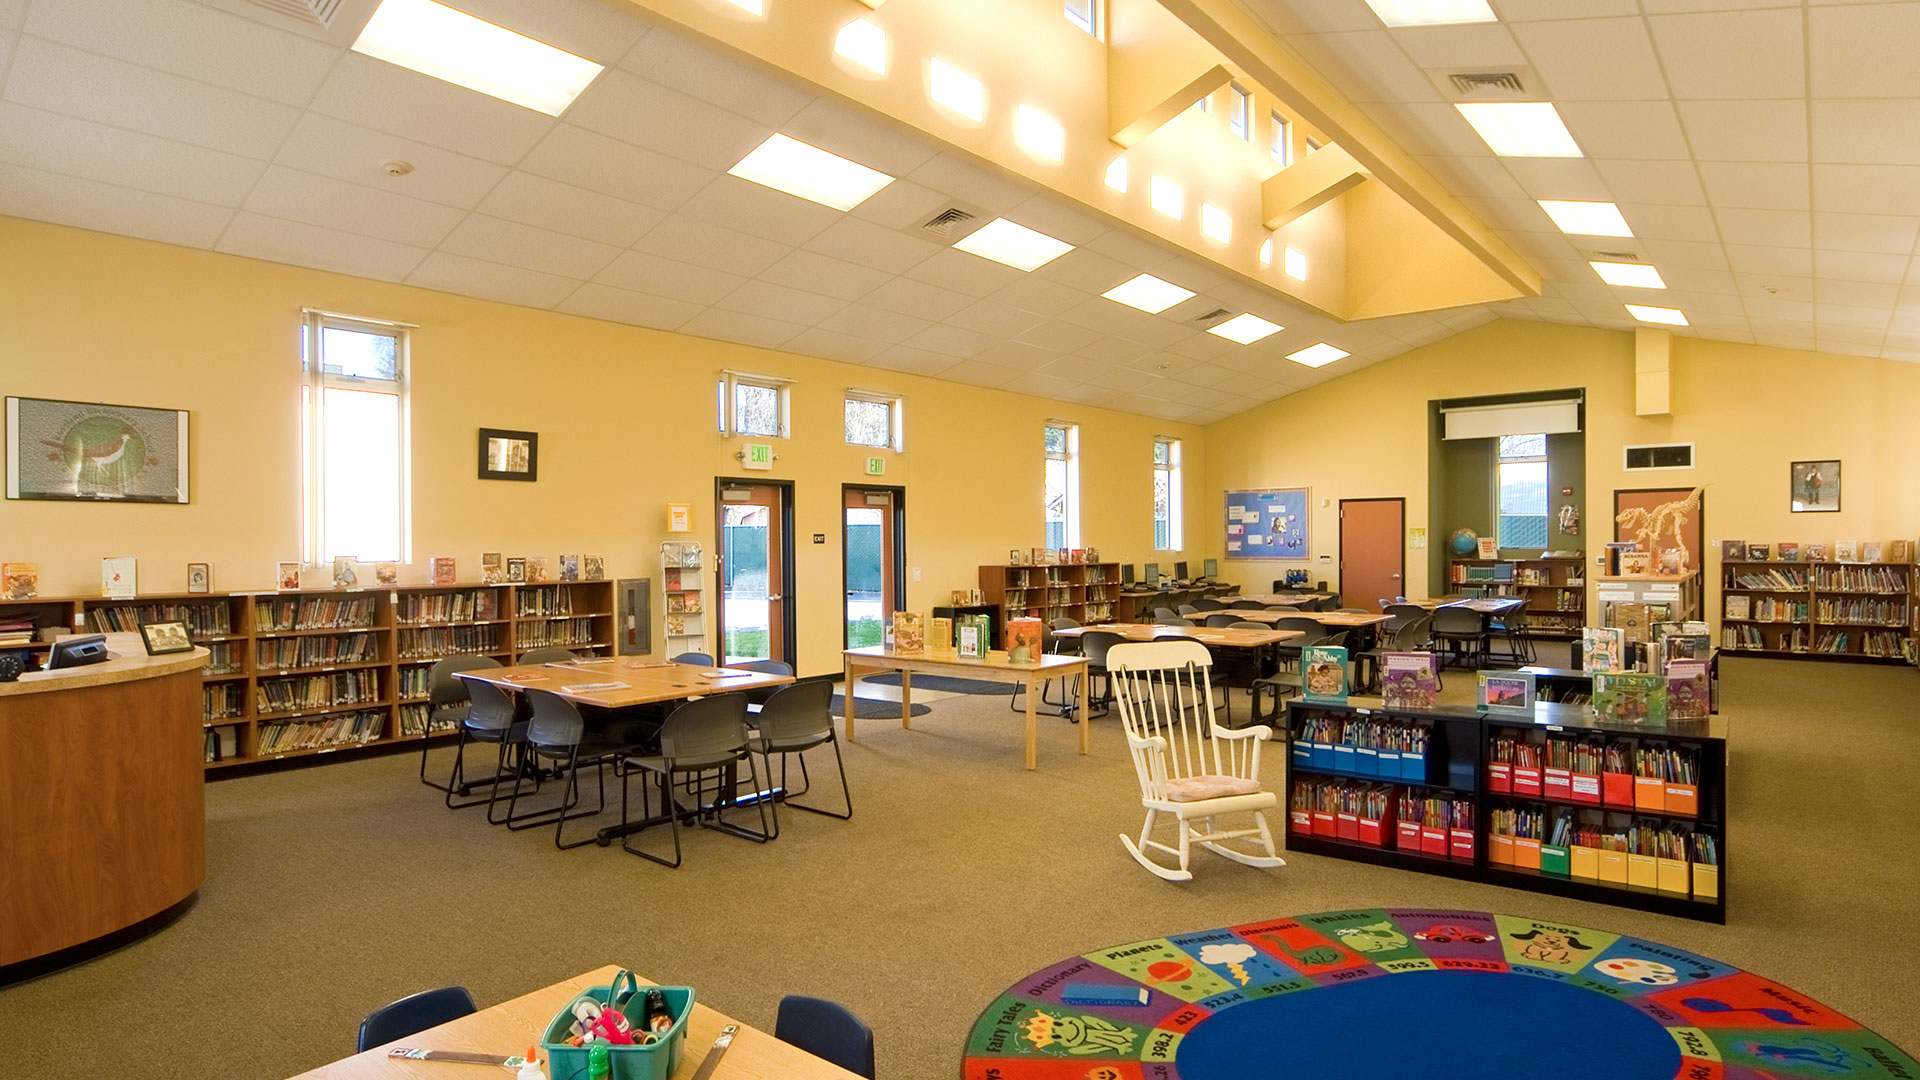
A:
(166, 637)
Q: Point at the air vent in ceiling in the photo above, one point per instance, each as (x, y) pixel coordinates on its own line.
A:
(1470, 84)
(946, 221)
(318, 12)
(1616, 256)
(1216, 313)
(1505, 82)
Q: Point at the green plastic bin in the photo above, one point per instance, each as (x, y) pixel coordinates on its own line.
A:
(655, 1062)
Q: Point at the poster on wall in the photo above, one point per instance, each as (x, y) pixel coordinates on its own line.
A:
(1267, 523)
(88, 452)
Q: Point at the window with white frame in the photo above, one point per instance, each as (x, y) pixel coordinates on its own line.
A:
(1085, 14)
(1239, 111)
(1282, 134)
(873, 420)
(1061, 505)
(1523, 491)
(753, 405)
(1166, 494)
(353, 430)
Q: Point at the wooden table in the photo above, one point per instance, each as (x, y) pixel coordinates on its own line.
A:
(647, 683)
(1223, 636)
(875, 659)
(508, 1027)
(1288, 599)
(1484, 605)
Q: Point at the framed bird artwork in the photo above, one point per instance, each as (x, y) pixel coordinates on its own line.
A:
(89, 452)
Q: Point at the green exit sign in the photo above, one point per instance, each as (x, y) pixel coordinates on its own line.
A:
(876, 466)
(757, 456)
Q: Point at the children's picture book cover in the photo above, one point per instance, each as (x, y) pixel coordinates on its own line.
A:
(1325, 673)
(1788, 551)
(21, 580)
(940, 635)
(1488, 547)
(116, 577)
(386, 573)
(1899, 551)
(344, 576)
(593, 568)
(1634, 563)
(516, 569)
(286, 576)
(1506, 691)
(1602, 648)
(909, 633)
(443, 570)
(1409, 680)
(1871, 551)
(1630, 697)
(536, 568)
(972, 635)
(1688, 693)
(1733, 550)
(1759, 553)
(1023, 641)
(1846, 551)
(569, 568)
(1815, 553)
(1739, 606)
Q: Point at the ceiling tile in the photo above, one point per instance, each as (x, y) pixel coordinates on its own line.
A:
(1039, 384)
(991, 376)
(293, 195)
(814, 341)
(7, 38)
(1859, 266)
(1674, 223)
(1668, 183)
(1016, 355)
(902, 204)
(1114, 350)
(621, 305)
(641, 272)
(905, 296)
(594, 161)
(1880, 233)
(760, 211)
(1075, 368)
(1367, 65)
(996, 318)
(824, 274)
(914, 361)
(1060, 336)
(1286, 18)
(550, 204)
(779, 302)
(1054, 216)
(1429, 127)
(862, 137)
(1781, 228)
(1754, 259)
(1594, 59)
(491, 281)
(1480, 45)
(88, 204)
(1866, 189)
(951, 340)
(1130, 248)
(739, 85)
(1558, 178)
(1045, 297)
(259, 237)
(1756, 186)
(872, 245)
(1867, 296)
(970, 183)
(1522, 10)
(1648, 130)
(1863, 52)
(597, 31)
(1694, 280)
(1746, 130)
(1732, 54)
(12, 13)
(344, 151)
(866, 320)
(51, 142)
(509, 242)
(192, 40)
(1088, 271)
(647, 114)
(711, 246)
(74, 83)
(387, 97)
(740, 327)
(1484, 176)
(1866, 132)
(964, 273)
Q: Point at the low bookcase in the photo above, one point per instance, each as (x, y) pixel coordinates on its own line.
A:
(1653, 837)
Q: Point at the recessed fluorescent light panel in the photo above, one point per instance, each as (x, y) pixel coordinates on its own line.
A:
(1521, 128)
(1431, 12)
(1039, 134)
(864, 44)
(1318, 355)
(1116, 177)
(957, 90)
(1245, 328)
(797, 168)
(1586, 218)
(1015, 245)
(1666, 316)
(1148, 293)
(1168, 198)
(1296, 264)
(1631, 275)
(1216, 223)
(434, 39)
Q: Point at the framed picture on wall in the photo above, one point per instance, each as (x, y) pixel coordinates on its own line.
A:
(1813, 487)
(82, 451)
(509, 455)
(1671, 519)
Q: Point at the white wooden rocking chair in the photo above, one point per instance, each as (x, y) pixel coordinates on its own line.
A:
(1164, 692)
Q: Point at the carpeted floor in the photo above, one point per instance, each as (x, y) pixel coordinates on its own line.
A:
(333, 889)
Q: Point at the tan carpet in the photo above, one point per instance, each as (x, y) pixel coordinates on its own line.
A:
(336, 888)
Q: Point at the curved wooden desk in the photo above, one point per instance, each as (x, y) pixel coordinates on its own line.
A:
(103, 810)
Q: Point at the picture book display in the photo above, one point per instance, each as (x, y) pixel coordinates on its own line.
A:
(344, 574)
(972, 636)
(569, 568)
(940, 635)
(199, 577)
(1409, 680)
(1630, 697)
(536, 568)
(386, 573)
(1603, 648)
(19, 580)
(593, 568)
(287, 576)
(1023, 640)
(1506, 691)
(492, 570)
(117, 577)
(516, 569)
(1688, 690)
(442, 570)
(909, 633)
(1324, 673)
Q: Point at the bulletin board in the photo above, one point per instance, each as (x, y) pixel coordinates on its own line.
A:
(1268, 523)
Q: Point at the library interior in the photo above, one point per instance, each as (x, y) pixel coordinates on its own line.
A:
(492, 486)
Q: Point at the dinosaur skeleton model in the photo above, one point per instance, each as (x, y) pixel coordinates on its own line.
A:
(1665, 520)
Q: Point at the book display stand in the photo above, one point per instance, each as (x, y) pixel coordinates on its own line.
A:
(682, 599)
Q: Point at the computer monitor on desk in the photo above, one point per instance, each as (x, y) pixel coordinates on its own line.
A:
(1180, 571)
(76, 651)
(1152, 574)
(1126, 573)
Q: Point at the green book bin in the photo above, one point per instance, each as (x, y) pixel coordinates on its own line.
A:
(655, 1062)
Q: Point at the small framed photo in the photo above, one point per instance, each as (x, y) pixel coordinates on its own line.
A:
(1506, 691)
(166, 637)
(509, 455)
(1814, 487)
(199, 577)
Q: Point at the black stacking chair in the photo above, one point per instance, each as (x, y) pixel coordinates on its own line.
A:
(558, 733)
(447, 700)
(703, 741)
(546, 654)
(770, 667)
(1208, 603)
(1462, 632)
(412, 1015)
(492, 718)
(827, 1031)
(1248, 605)
(793, 721)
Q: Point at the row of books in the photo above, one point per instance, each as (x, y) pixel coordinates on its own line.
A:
(548, 600)
(415, 681)
(1883, 643)
(314, 613)
(1502, 572)
(680, 555)
(1608, 849)
(435, 642)
(1765, 609)
(1605, 648)
(345, 729)
(316, 651)
(1870, 579)
(1845, 551)
(222, 659)
(1383, 749)
(1052, 556)
(316, 691)
(1862, 612)
(675, 580)
(417, 718)
(466, 606)
(223, 701)
(223, 743)
(1645, 774)
(575, 631)
(1770, 579)
(1748, 638)
(203, 620)
(684, 603)
(1382, 815)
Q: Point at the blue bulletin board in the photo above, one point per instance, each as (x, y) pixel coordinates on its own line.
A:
(1267, 523)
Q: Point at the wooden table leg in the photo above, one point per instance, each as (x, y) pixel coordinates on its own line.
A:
(846, 687)
(1086, 711)
(906, 698)
(1033, 724)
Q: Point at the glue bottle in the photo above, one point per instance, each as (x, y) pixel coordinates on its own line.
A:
(599, 1062)
(530, 1069)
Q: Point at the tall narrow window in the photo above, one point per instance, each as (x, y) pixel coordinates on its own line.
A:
(1085, 14)
(1239, 111)
(1282, 134)
(1523, 491)
(1062, 502)
(353, 430)
(1166, 494)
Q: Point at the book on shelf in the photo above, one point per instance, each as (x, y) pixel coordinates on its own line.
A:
(1733, 550)
(287, 576)
(569, 568)
(1023, 640)
(344, 576)
(1635, 563)
(492, 570)
(1846, 551)
(116, 577)
(1487, 547)
(676, 626)
(1630, 697)
(1324, 673)
(1634, 620)
(516, 569)
(19, 580)
(593, 568)
(973, 636)
(670, 579)
(1759, 553)
(684, 603)
(909, 632)
(1409, 680)
(1871, 551)
(1788, 551)
(1602, 648)
(1899, 551)
(536, 568)
(940, 635)
(1814, 553)
(386, 573)
(443, 570)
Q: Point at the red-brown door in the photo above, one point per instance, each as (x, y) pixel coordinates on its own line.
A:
(1373, 553)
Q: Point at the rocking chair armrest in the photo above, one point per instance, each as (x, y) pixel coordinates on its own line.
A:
(1157, 743)
(1257, 731)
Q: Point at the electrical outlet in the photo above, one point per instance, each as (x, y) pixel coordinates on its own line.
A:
(916, 573)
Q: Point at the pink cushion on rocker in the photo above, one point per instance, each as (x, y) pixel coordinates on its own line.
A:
(1198, 788)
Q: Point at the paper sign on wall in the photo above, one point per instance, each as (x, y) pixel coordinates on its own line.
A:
(679, 517)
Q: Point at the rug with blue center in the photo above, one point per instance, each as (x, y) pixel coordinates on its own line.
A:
(1391, 993)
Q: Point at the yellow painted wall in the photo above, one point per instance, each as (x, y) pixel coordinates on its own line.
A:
(1749, 410)
(625, 416)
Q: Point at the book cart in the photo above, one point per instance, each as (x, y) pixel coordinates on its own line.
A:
(1468, 806)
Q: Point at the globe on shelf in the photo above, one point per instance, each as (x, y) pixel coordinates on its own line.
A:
(1464, 542)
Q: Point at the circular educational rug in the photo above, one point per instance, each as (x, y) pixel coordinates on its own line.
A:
(1389, 993)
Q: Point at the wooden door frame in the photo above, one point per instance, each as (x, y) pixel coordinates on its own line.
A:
(788, 606)
(1401, 547)
(899, 548)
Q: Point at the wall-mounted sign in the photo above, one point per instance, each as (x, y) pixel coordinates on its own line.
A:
(876, 466)
(679, 517)
(756, 456)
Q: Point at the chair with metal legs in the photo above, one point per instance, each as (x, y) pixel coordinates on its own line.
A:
(492, 718)
(770, 667)
(705, 737)
(447, 700)
(794, 720)
(1462, 632)
(558, 733)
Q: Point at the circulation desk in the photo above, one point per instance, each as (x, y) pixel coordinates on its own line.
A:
(103, 820)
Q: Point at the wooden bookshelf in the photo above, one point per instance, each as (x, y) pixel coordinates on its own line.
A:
(1083, 592)
(323, 671)
(1843, 611)
(1555, 589)
(1681, 593)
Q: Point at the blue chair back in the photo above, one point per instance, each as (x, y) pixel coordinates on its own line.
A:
(414, 1014)
(826, 1030)
(700, 658)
